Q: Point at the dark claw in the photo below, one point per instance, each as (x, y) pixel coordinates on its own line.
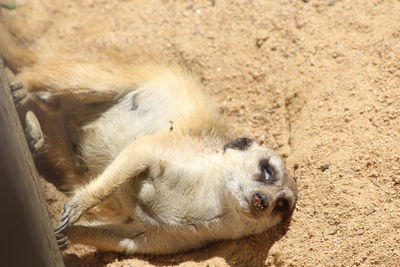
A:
(66, 217)
(64, 243)
(61, 238)
(66, 212)
(32, 142)
(14, 86)
(17, 98)
(64, 224)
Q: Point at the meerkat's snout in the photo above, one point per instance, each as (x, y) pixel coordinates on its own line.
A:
(282, 204)
(260, 201)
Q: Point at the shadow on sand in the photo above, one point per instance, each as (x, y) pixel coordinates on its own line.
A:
(249, 251)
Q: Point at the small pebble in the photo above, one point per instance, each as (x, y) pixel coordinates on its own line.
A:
(324, 167)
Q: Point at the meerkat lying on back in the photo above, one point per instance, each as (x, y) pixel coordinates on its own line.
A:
(134, 140)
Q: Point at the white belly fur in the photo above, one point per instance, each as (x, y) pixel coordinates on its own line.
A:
(144, 111)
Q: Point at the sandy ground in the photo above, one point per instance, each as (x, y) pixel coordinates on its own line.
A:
(317, 80)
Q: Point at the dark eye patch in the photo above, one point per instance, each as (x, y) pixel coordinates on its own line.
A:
(242, 143)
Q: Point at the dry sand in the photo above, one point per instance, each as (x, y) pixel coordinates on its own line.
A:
(317, 80)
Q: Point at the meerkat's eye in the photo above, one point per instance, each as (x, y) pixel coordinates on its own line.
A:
(267, 172)
(266, 176)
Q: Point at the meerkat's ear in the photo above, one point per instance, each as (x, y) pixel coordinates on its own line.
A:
(242, 143)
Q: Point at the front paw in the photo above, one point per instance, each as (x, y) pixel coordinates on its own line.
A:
(72, 213)
(19, 93)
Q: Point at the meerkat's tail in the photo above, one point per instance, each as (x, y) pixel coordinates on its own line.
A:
(14, 55)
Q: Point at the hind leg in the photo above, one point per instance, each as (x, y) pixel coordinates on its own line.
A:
(30, 122)
(63, 86)
(47, 132)
(108, 237)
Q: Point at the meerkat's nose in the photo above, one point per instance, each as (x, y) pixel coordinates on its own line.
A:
(260, 200)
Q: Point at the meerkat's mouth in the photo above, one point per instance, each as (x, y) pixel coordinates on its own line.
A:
(259, 201)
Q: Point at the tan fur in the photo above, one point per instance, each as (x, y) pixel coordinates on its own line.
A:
(132, 138)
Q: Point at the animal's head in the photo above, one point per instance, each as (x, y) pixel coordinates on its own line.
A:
(257, 181)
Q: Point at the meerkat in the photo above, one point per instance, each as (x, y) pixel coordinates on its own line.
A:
(133, 140)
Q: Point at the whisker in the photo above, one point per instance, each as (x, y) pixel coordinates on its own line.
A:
(216, 164)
